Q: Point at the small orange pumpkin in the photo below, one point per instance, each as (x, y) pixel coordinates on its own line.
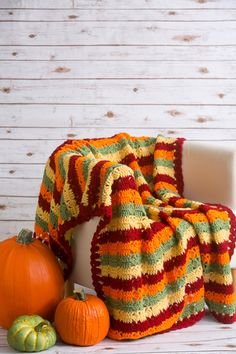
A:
(82, 319)
(31, 280)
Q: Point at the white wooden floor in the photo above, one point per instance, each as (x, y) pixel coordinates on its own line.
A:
(206, 336)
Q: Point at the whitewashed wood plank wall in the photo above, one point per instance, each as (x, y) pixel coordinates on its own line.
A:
(90, 68)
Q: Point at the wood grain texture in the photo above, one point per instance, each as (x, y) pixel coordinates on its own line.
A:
(132, 4)
(119, 53)
(14, 208)
(27, 151)
(18, 170)
(108, 33)
(10, 229)
(152, 69)
(20, 187)
(121, 15)
(78, 116)
(137, 91)
(36, 136)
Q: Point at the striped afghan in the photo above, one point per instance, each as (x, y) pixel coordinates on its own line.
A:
(156, 257)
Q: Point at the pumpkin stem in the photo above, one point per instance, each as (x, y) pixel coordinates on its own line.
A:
(25, 236)
(39, 327)
(80, 295)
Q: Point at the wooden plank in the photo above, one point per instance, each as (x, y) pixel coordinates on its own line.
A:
(107, 33)
(14, 208)
(194, 91)
(118, 70)
(133, 52)
(20, 187)
(27, 151)
(78, 15)
(18, 170)
(9, 135)
(10, 228)
(78, 116)
(133, 4)
(34, 4)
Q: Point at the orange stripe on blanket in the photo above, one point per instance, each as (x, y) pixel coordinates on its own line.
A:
(45, 193)
(38, 230)
(221, 258)
(103, 171)
(59, 181)
(165, 185)
(226, 299)
(147, 169)
(135, 138)
(145, 195)
(79, 173)
(217, 214)
(164, 154)
(196, 217)
(194, 297)
(126, 196)
(180, 203)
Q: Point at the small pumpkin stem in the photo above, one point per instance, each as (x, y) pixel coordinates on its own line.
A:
(39, 327)
(80, 295)
(25, 236)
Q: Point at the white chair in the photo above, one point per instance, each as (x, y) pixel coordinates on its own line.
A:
(209, 170)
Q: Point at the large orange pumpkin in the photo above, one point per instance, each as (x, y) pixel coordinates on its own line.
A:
(31, 280)
(82, 319)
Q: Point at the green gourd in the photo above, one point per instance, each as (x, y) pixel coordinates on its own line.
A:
(31, 334)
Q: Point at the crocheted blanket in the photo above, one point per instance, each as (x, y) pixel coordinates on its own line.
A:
(156, 257)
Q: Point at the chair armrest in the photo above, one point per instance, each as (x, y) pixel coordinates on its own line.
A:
(209, 170)
(81, 245)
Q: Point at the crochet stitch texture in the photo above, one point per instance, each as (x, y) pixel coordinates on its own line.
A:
(156, 257)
